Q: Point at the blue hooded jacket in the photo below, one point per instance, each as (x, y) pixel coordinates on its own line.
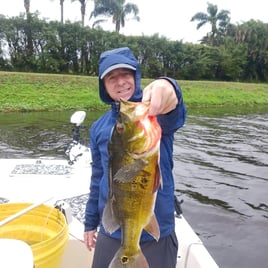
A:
(100, 134)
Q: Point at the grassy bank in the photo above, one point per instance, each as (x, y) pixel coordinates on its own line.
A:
(46, 92)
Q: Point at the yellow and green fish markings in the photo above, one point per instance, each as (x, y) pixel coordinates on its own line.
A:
(134, 178)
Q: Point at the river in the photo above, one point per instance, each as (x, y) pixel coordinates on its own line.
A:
(220, 168)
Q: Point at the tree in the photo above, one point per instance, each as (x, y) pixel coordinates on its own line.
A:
(61, 10)
(117, 9)
(253, 34)
(28, 29)
(70, 48)
(27, 6)
(83, 10)
(219, 22)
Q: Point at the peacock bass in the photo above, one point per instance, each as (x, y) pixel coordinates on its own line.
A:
(134, 178)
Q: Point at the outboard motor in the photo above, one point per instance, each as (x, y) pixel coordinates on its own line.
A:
(77, 151)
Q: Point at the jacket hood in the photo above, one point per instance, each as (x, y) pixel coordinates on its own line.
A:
(113, 59)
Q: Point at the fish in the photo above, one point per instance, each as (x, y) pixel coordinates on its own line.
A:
(134, 179)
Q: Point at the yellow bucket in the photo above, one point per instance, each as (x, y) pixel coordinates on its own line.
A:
(44, 228)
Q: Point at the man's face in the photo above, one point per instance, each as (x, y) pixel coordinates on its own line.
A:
(120, 84)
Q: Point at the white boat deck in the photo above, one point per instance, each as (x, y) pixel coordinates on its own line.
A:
(37, 180)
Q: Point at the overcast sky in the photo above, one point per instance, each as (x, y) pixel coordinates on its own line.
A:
(169, 18)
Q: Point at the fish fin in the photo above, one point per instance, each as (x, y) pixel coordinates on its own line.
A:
(153, 228)
(128, 172)
(109, 220)
(157, 179)
(121, 260)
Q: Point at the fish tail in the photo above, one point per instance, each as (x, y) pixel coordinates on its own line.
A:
(121, 260)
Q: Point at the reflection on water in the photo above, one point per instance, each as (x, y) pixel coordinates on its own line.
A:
(229, 155)
(220, 168)
(38, 134)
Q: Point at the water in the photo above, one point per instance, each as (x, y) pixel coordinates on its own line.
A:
(221, 170)
(220, 166)
(39, 134)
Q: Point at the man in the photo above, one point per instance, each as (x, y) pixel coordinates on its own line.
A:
(119, 77)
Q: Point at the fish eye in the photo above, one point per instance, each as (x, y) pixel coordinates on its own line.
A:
(119, 128)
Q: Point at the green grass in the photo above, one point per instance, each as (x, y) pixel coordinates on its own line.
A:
(206, 93)
(48, 92)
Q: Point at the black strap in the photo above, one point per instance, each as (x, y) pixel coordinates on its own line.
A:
(178, 205)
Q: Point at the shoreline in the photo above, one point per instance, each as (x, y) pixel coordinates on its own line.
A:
(30, 92)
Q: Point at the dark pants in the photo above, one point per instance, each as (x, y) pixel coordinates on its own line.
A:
(161, 254)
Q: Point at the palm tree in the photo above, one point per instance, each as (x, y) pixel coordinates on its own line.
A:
(219, 22)
(27, 6)
(117, 9)
(61, 10)
(83, 10)
(28, 30)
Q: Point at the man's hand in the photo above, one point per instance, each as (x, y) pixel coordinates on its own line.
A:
(161, 95)
(90, 239)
